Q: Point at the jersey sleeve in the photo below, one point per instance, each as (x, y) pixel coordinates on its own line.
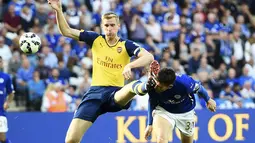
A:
(194, 86)
(191, 85)
(9, 86)
(153, 102)
(132, 48)
(88, 37)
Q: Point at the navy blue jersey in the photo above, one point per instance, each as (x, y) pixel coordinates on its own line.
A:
(6, 88)
(178, 99)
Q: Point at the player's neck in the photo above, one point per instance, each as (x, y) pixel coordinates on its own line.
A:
(112, 41)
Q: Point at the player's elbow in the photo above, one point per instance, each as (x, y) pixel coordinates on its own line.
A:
(67, 32)
(71, 33)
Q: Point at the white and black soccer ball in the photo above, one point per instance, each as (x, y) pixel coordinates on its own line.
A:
(29, 43)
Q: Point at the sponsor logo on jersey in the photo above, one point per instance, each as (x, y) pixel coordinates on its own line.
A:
(177, 96)
(174, 102)
(108, 64)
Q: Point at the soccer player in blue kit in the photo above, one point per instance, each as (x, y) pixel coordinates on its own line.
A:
(6, 96)
(172, 103)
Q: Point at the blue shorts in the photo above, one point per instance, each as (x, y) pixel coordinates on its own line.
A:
(97, 101)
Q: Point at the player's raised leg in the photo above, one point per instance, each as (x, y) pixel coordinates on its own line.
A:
(76, 130)
(162, 129)
(126, 94)
(3, 130)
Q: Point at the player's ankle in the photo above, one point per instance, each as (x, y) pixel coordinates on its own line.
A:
(139, 88)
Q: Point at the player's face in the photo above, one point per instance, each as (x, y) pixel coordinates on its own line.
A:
(162, 87)
(110, 27)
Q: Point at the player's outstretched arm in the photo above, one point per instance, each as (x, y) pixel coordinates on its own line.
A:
(149, 128)
(211, 104)
(149, 115)
(63, 26)
(8, 100)
(10, 91)
(148, 132)
(144, 59)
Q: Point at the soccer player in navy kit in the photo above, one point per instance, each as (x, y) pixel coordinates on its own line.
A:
(6, 96)
(172, 103)
(111, 66)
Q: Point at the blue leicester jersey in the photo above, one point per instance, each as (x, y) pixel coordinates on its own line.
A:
(178, 99)
(6, 88)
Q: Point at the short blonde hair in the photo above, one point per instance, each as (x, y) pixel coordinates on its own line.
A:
(110, 15)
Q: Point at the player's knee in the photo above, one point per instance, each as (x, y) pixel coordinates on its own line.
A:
(2, 137)
(162, 139)
(186, 138)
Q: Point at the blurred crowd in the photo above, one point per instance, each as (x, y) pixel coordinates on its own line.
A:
(211, 40)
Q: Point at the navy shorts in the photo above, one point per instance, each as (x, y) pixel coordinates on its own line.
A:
(98, 100)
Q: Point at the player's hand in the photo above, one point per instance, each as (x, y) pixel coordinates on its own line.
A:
(211, 105)
(148, 132)
(6, 105)
(127, 72)
(55, 4)
(151, 83)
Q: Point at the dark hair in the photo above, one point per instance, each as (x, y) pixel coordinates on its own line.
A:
(166, 76)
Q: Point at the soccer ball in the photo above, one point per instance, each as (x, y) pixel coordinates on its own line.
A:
(29, 43)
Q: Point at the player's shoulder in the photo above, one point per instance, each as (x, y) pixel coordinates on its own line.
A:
(132, 47)
(4, 76)
(184, 79)
(95, 34)
(130, 43)
(88, 36)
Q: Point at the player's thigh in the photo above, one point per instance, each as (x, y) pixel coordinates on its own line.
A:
(186, 139)
(186, 125)
(3, 124)
(3, 128)
(124, 95)
(162, 128)
(76, 130)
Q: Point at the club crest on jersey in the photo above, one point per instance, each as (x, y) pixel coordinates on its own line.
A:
(119, 49)
(177, 96)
